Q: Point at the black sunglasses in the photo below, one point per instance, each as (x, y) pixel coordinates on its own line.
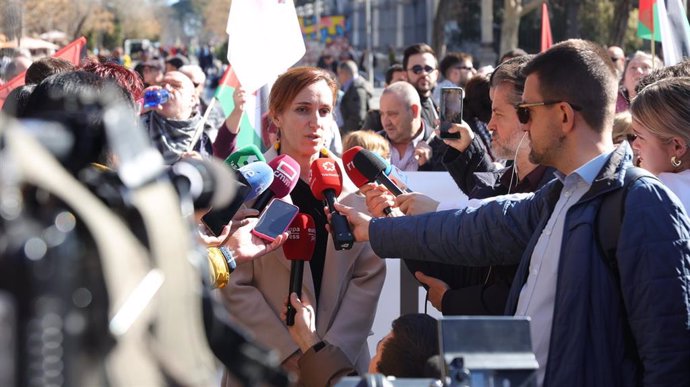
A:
(523, 109)
(418, 69)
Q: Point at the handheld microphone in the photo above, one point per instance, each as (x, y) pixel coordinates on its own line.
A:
(252, 180)
(357, 178)
(209, 183)
(326, 182)
(244, 156)
(373, 168)
(285, 176)
(298, 248)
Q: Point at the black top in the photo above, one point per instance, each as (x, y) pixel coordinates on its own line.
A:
(308, 204)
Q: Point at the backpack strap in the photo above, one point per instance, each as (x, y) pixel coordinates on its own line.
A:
(609, 218)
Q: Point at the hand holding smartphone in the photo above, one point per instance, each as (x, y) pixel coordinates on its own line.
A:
(275, 219)
(451, 110)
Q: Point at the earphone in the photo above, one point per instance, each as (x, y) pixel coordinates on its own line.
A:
(515, 171)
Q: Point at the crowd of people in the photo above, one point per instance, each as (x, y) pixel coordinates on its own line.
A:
(545, 141)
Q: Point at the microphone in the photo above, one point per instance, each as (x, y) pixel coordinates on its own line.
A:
(244, 156)
(298, 248)
(326, 182)
(209, 182)
(252, 180)
(348, 161)
(373, 168)
(285, 176)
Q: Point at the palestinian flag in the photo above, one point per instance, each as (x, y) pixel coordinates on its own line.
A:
(648, 25)
(250, 125)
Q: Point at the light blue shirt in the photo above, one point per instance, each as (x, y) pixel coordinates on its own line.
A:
(538, 293)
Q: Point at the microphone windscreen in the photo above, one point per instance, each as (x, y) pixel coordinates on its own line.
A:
(350, 168)
(302, 238)
(325, 174)
(434, 367)
(244, 156)
(285, 175)
(259, 177)
(368, 164)
(210, 182)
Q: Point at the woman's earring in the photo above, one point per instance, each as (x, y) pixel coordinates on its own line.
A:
(675, 162)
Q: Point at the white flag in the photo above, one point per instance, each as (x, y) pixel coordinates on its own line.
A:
(679, 33)
(264, 40)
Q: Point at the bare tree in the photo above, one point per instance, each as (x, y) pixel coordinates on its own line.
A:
(513, 11)
(620, 22)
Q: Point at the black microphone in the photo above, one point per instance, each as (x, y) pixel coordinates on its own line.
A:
(373, 168)
(209, 183)
(326, 182)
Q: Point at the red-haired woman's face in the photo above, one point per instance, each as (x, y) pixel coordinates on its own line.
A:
(305, 120)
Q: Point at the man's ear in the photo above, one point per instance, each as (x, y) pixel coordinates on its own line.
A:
(568, 115)
(415, 110)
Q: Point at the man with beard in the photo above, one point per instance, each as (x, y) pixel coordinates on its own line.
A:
(462, 290)
(614, 317)
(419, 61)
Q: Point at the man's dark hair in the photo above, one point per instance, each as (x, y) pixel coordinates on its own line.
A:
(510, 72)
(17, 99)
(512, 54)
(419, 48)
(396, 67)
(177, 62)
(681, 69)
(477, 101)
(414, 341)
(580, 73)
(448, 62)
(45, 67)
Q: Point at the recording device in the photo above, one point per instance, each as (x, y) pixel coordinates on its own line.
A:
(451, 110)
(285, 177)
(392, 172)
(326, 183)
(252, 180)
(298, 248)
(244, 156)
(209, 183)
(373, 168)
(275, 219)
(487, 351)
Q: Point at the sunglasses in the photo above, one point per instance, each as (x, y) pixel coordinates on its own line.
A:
(523, 111)
(418, 69)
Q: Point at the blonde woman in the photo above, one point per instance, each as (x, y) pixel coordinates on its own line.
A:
(661, 124)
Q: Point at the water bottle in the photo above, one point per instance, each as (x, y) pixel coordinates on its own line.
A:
(153, 98)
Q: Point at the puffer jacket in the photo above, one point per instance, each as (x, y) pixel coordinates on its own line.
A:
(604, 333)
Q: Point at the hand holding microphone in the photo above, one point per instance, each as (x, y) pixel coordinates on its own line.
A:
(326, 182)
(298, 248)
(286, 173)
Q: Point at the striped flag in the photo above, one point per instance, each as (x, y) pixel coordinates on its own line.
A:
(71, 52)
(546, 37)
(670, 27)
(250, 126)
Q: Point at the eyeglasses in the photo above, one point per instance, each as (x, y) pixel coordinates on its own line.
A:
(523, 109)
(418, 69)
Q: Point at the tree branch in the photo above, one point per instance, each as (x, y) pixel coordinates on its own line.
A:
(530, 6)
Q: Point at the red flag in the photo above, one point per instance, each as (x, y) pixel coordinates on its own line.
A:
(70, 53)
(546, 38)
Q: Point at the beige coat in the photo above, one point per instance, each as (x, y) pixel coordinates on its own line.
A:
(351, 285)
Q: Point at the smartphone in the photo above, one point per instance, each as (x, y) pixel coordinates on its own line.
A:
(451, 110)
(275, 219)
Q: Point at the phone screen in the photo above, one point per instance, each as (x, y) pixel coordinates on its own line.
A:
(275, 219)
(451, 110)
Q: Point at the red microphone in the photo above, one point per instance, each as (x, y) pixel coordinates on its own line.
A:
(326, 182)
(285, 176)
(352, 172)
(298, 248)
